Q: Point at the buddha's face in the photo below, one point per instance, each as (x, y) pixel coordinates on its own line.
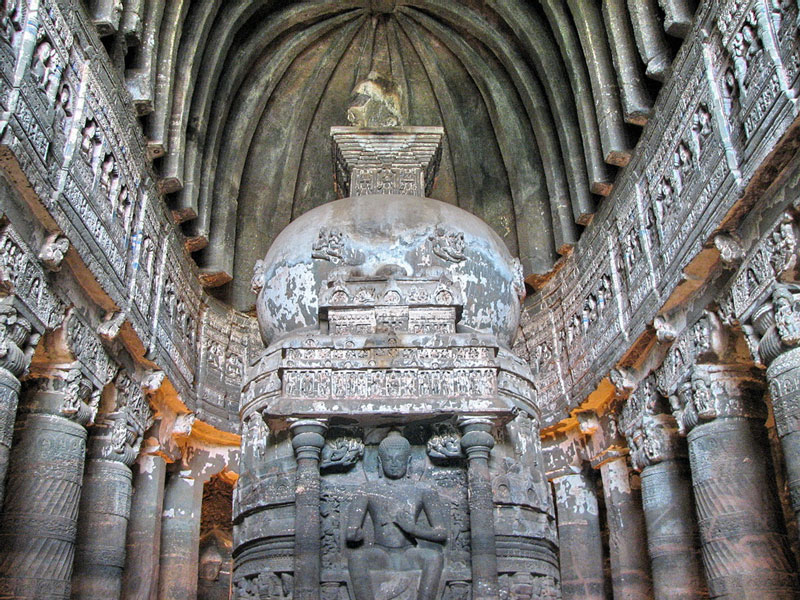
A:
(394, 461)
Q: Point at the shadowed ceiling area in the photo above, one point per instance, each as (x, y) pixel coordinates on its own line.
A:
(541, 102)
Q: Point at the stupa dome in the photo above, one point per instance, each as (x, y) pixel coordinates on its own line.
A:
(388, 236)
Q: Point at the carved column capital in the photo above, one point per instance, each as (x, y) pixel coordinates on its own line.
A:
(308, 438)
(708, 340)
(604, 439)
(655, 440)
(477, 440)
(777, 323)
(62, 390)
(14, 332)
(563, 454)
(113, 438)
(718, 391)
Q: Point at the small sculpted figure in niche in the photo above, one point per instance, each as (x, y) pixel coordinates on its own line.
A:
(410, 526)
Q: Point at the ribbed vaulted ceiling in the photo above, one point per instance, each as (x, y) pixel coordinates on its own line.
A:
(540, 102)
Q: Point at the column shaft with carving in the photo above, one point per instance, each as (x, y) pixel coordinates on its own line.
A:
(477, 442)
(140, 581)
(744, 547)
(14, 330)
(630, 572)
(672, 532)
(580, 542)
(778, 323)
(39, 521)
(104, 511)
(672, 538)
(307, 441)
(180, 536)
(783, 376)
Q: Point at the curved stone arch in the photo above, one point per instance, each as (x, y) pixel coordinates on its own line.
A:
(521, 173)
(280, 213)
(541, 102)
(544, 51)
(214, 217)
(191, 55)
(561, 25)
(209, 82)
(168, 42)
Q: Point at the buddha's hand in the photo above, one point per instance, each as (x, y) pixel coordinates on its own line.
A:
(354, 534)
(405, 522)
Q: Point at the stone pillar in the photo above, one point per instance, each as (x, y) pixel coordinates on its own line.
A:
(143, 547)
(783, 376)
(580, 544)
(744, 548)
(14, 330)
(660, 454)
(104, 511)
(477, 442)
(180, 536)
(39, 520)
(778, 324)
(630, 571)
(307, 441)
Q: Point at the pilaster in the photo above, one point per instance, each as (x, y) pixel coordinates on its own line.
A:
(477, 442)
(307, 441)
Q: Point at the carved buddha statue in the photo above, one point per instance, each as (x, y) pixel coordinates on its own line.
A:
(410, 527)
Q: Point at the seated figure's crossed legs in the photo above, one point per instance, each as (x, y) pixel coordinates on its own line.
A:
(364, 560)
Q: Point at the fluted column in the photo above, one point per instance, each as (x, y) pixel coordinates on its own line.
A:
(180, 536)
(580, 543)
(477, 442)
(39, 520)
(744, 548)
(14, 330)
(104, 511)
(307, 441)
(143, 546)
(630, 571)
(672, 540)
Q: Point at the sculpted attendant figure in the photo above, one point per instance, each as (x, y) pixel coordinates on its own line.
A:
(396, 508)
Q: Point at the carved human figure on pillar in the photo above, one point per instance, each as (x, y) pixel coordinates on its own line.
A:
(403, 541)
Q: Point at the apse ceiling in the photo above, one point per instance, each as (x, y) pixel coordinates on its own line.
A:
(541, 103)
